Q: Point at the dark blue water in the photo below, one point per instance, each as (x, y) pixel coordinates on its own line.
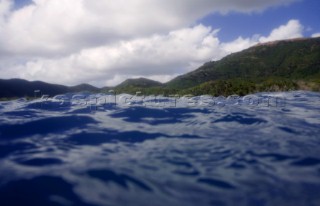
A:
(168, 152)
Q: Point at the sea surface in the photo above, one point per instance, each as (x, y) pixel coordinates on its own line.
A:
(102, 149)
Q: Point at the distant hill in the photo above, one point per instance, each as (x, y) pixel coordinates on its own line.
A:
(83, 88)
(13, 88)
(294, 59)
(273, 66)
(16, 88)
(19, 88)
(139, 82)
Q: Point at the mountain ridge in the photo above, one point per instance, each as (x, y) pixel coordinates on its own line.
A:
(263, 66)
(14, 88)
(139, 82)
(299, 58)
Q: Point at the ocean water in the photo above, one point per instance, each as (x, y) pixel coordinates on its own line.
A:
(84, 149)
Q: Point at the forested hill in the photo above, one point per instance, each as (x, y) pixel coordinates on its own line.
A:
(139, 82)
(14, 88)
(294, 59)
(274, 66)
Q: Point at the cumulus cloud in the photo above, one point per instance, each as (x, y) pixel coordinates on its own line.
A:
(158, 55)
(105, 42)
(316, 35)
(237, 45)
(5, 6)
(54, 27)
(293, 29)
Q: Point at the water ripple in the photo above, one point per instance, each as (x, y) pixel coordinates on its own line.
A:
(63, 153)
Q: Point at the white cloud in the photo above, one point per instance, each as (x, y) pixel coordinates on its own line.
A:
(55, 27)
(160, 57)
(155, 56)
(293, 29)
(237, 45)
(104, 42)
(316, 35)
(5, 6)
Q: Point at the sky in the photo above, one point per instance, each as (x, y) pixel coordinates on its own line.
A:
(103, 42)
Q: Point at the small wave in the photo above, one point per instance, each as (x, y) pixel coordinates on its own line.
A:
(44, 126)
(84, 149)
(216, 183)
(120, 179)
(41, 162)
(307, 162)
(240, 119)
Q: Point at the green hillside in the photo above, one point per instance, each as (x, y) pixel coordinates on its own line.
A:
(15, 88)
(139, 84)
(297, 59)
(274, 66)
